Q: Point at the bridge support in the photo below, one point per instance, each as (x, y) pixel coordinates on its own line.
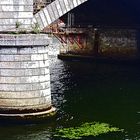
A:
(138, 42)
(96, 42)
(24, 76)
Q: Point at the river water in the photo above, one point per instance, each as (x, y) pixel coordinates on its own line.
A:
(87, 92)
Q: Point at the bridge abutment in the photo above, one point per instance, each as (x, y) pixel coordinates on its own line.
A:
(24, 75)
(103, 44)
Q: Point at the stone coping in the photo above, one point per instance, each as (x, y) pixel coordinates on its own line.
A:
(17, 40)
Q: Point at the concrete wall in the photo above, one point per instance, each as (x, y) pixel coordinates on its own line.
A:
(15, 13)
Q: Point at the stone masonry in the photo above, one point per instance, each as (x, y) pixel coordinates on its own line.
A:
(24, 75)
(16, 14)
(24, 66)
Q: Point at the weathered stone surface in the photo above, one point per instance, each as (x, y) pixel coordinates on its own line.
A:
(16, 15)
(54, 11)
(24, 80)
(24, 40)
(24, 77)
(25, 102)
(25, 94)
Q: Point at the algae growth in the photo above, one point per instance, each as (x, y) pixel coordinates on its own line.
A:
(87, 129)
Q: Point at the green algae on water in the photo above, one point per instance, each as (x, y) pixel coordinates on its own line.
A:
(86, 129)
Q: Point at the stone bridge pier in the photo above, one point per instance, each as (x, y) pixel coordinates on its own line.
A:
(24, 76)
(24, 67)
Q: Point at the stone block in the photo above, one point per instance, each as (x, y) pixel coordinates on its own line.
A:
(55, 11)
(36, 57)
(45, 92)
(44, 63)
(68, 6)
(42, 71)
(42, 78)
(7, 58)
(10, 65)
(23, 87)
(30, 79)
(7, 87)
(8, 51)
(47, 71)
(44, 85)
(42, 50)
(64, 10)
(43, 18)
(36, 86)
(22, 57)
(48, 18)
(46, 56)
(30, 64)
(58, 7)
(51, 13)
(9, 80)
(24, 102)
(11, 72)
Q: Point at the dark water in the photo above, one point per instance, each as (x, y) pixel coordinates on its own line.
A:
(88, 92)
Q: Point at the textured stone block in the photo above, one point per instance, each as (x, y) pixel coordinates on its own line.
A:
(24, 102)
(24, 78)
(47, 71)
(36, 57)
(12, 72)
(7, 58)
(8, 51)
(25, 94)
(22, 57)
(44, 63)
(68, 6)
(23, 40)
(5, 65)
(9, 80)
(16, 11)
(59, 8)
(47, 16)
(43, 18)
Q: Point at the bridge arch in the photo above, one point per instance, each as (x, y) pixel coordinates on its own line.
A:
(54, 11)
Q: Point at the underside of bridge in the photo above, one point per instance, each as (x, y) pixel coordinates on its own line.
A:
(118, 32)
(107, 13)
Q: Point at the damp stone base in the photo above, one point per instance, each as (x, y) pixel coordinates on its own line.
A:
(24, 75)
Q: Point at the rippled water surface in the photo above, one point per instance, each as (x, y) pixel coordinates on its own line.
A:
(88, 92)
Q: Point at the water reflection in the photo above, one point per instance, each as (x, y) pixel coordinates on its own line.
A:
(26, 132)
(88, 92)
(101, 92)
